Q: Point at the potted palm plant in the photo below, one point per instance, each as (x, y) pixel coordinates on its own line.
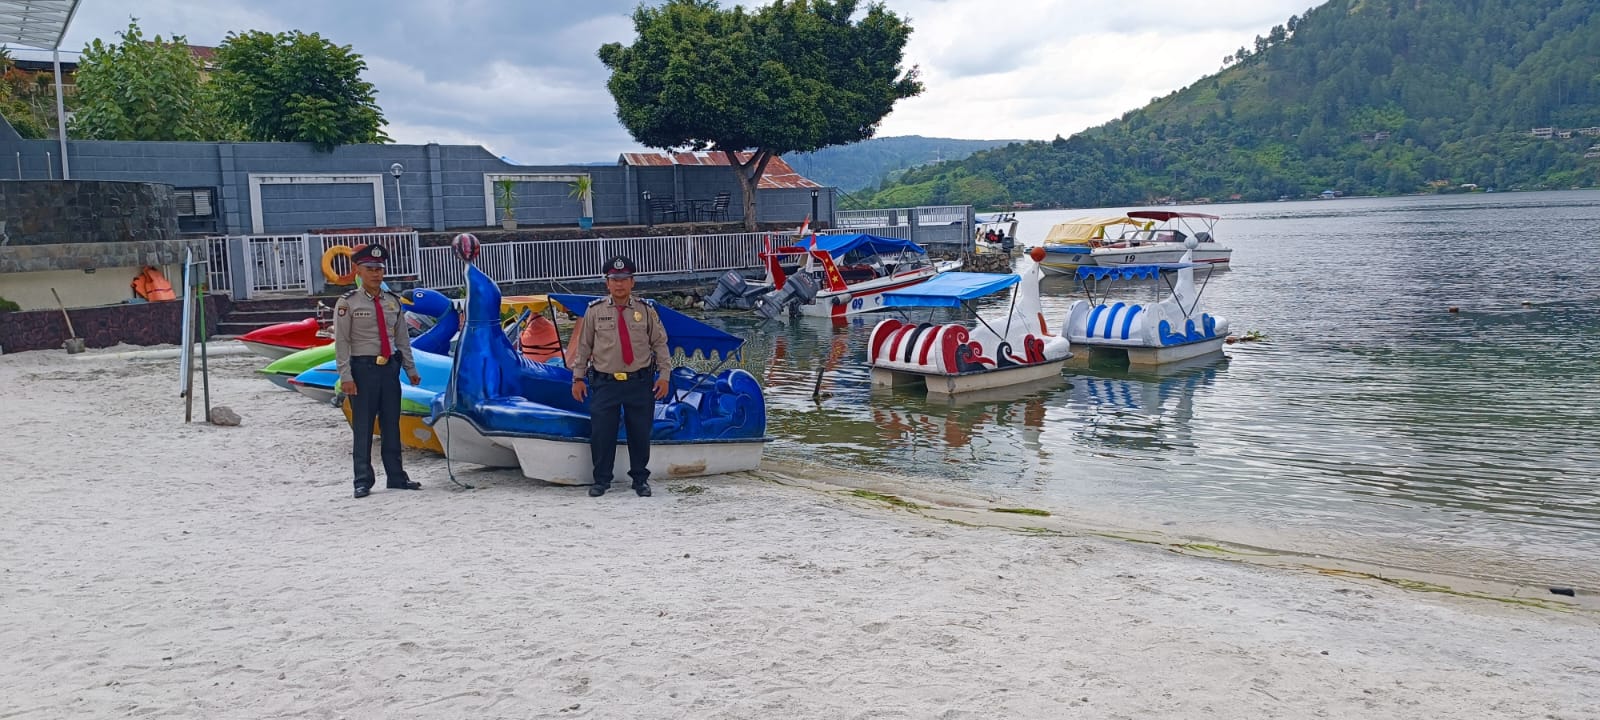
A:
(505, 196)
(583, 189)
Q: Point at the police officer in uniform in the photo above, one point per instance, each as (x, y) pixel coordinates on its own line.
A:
(617, 360)
(371, 347)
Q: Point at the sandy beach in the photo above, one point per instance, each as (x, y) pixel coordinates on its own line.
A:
(150, 568)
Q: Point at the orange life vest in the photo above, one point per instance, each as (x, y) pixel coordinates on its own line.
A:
(151, 285)
(539, 341)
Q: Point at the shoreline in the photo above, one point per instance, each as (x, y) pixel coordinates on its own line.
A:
(162, 568)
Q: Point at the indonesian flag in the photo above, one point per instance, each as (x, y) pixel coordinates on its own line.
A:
(774, 269)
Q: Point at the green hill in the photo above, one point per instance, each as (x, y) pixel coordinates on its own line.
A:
(865, 164)
(1362, 97)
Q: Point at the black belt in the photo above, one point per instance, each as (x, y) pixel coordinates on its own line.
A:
(621, 376)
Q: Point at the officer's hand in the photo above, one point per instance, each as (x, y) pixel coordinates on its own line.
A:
(348, 387)
(580, 390)
(661, 388)
(414, 377)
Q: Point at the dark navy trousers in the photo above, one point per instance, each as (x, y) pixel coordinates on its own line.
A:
(377, 396)
(612, 403)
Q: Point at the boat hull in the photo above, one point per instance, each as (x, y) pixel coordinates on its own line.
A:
(270, 351)
(1149, 254)
(866, 297)
(1146, 357)
(414, 430)
(565, 461)
(941, 384)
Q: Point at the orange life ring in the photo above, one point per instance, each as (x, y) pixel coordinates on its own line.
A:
(332, 275)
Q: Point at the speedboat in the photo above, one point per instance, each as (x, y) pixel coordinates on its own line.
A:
(995, 350)
(995, 233)
(833, 276)
(1172, 329)
(500, 410)
(1161, 240)
(1071, 244)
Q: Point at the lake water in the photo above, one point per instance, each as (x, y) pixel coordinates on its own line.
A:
(1372, 423)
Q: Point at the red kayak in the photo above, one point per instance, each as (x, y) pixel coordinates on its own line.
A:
(276, 341)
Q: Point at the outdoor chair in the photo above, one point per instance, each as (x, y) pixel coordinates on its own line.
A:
(719, 207)
(665, 210)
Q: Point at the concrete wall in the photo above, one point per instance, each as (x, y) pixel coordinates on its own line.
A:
(104, 286)
(291, 187)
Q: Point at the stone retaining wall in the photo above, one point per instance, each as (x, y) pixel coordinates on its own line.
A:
(157, 323)
(53, 212)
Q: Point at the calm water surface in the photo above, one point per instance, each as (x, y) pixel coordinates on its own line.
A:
(1372, 423)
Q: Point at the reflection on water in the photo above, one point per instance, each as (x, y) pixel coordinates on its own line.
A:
(1372, 421)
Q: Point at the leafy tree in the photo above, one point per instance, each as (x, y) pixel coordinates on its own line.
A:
(140, 89)
(793, 76)
(19, 101)
(294, 87)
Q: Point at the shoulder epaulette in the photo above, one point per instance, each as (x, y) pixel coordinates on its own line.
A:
(348, 295)
(597, 301)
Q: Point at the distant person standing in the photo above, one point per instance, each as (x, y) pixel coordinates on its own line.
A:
(371, 346)
(616, 364)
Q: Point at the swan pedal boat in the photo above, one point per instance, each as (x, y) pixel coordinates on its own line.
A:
(997, 350)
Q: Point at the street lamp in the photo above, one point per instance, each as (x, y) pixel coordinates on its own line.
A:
(400, 202)
(814, 217)
(649, 222)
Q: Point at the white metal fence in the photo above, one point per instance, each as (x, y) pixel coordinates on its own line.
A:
(546, 260)
(248, 265)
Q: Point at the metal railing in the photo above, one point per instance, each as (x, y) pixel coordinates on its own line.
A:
(248, 265)
(547, 260)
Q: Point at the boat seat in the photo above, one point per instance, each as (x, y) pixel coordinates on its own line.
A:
(857, 273)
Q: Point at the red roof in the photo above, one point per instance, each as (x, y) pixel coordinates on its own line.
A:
(778, 173)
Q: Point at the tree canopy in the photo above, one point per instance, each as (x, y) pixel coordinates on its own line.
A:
(140, 89)
(295, 87)
(793, 76)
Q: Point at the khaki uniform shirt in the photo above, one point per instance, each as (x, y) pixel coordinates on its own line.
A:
(355, 329)
(599, 345)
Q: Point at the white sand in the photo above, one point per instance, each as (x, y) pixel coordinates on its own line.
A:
(148, 568)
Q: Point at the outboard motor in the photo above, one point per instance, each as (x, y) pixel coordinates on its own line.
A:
(1008, 244)
(730, 286)
(805, 287)
(772, 304)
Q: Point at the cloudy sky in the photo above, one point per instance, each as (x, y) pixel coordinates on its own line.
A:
(521, 76)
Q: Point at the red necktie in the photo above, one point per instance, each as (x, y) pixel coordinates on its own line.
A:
(383, 328)
(622, 334)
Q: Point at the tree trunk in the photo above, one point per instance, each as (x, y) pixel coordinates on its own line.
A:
(749, 174)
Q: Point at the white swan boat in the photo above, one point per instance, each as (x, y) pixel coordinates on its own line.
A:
(996, 350)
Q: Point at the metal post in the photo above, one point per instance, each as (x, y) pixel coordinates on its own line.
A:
(19, 164)
(814, 216)
(649, 217)
(400, 202)
(49, 165)
(61, 114)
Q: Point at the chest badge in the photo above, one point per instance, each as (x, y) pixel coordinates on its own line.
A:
(638, 316)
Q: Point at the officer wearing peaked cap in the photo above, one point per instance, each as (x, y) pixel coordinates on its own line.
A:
(616, 364)
(371, 346)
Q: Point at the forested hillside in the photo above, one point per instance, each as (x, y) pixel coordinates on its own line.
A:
(1356, 96)
(865, 164)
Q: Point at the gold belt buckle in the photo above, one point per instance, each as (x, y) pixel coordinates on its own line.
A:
(620, 376)
(382, 360)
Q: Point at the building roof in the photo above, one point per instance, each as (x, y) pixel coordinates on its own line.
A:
(36, 23)
(778, 173)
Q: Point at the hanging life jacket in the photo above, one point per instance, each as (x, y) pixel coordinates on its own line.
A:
(151, 285)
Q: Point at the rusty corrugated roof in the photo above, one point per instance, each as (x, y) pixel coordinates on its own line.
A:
(778, 174)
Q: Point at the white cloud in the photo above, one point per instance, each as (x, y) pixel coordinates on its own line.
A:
(522, 78)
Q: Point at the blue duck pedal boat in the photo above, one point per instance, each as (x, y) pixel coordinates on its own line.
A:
(501, 410)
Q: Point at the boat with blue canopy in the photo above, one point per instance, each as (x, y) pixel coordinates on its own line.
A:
(1172, 328)
(950, 359)
(829, 276)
